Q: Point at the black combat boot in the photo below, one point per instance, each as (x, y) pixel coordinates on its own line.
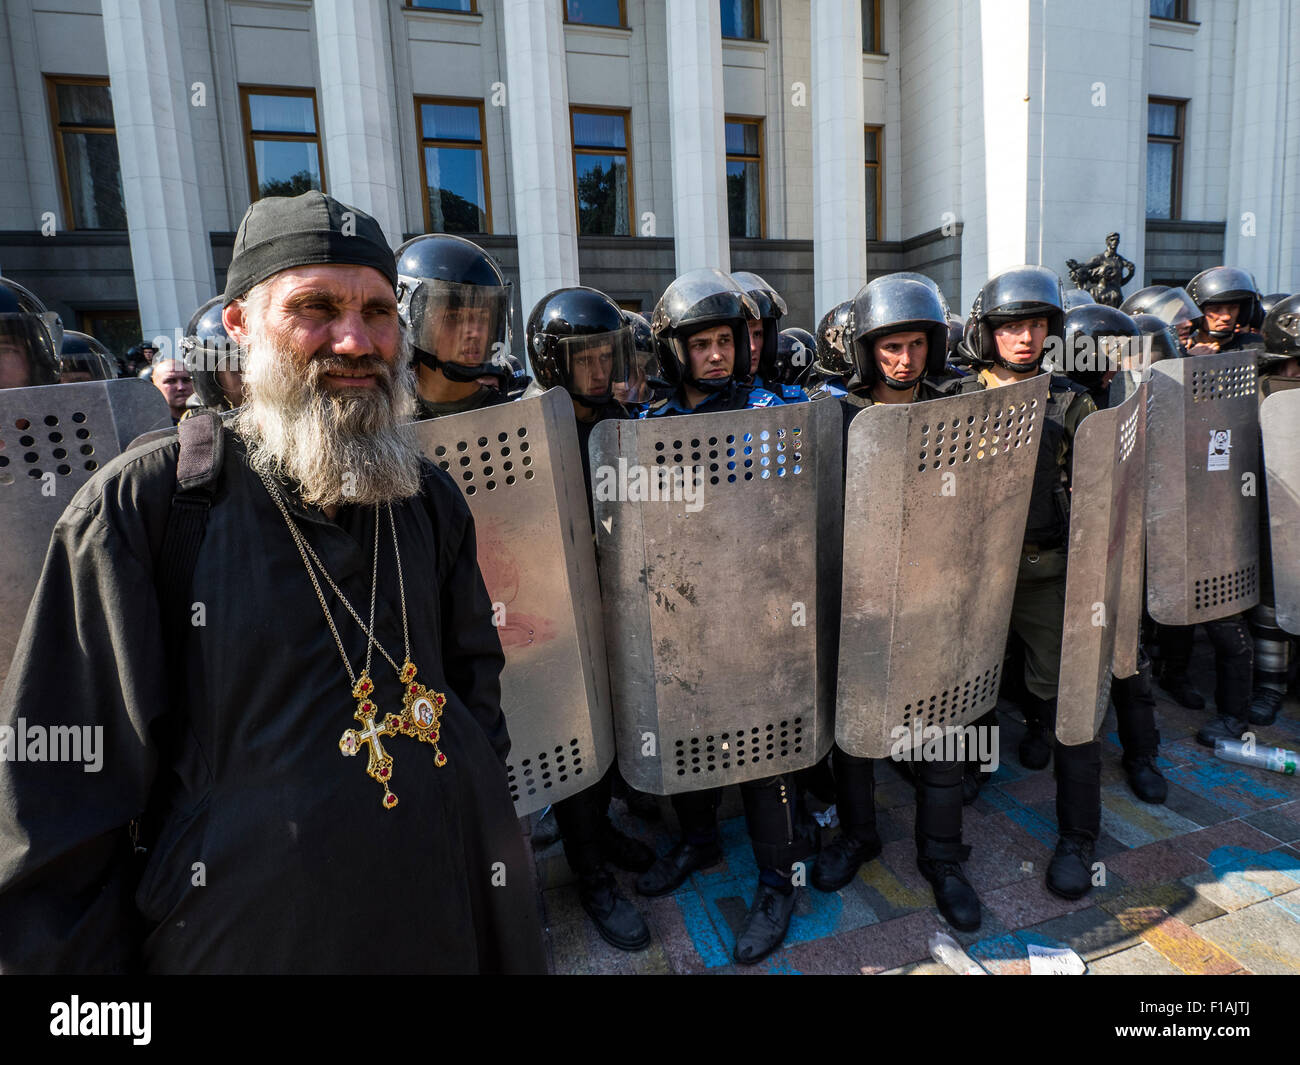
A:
(1070, 873)
(1264, 706)
(1145, 780)
(765, 925)
(617, 920)
(670, 872)
(1135, 714)
(1223, 727)
(858, 841)
(953, 894)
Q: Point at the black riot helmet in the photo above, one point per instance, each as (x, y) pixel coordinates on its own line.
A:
(85, 359)
(1013, 295)
(207, 348)
(897, 304)
(1098, 340)
(928, 282)
(832, 342)
(796, 350)
(697, 300)
(579, 340)
(647, 376)
(771, 309)
(1266, 304)
(1226, 284)
(1142, 300)
(956, 331)
(30, 339)
(1281, 328)
(1077, 297)
(455, 301)
(1161, 336)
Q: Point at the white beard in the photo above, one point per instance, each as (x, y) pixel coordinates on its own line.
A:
(341, 447)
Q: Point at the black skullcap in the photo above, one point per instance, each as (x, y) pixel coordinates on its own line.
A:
(279, 232)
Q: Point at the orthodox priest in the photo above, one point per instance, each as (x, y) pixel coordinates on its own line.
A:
(303, 769)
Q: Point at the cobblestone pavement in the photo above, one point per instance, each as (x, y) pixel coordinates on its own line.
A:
(1207, 883)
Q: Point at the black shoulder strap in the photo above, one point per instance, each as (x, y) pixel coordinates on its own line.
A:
(198, 469)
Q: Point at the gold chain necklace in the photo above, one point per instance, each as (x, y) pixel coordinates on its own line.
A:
(421, 708)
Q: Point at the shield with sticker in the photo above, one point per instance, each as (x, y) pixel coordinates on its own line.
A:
(1103, 582)
(52, 438)
(936, 498)
(719, 542)
(1203, 488)
(519, 467)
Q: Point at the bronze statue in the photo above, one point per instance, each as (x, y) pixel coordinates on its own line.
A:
(1104, 276)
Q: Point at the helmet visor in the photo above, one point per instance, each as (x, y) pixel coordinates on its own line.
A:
(600, 366)
(1174, 307)
(29, 349)
(464, 324)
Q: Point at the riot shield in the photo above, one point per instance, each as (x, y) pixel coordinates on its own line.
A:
(719, 538)
(1202, 488)
(936, 499)
(52, 438)
(1103, 584)
(519, 467)
(1279, 419)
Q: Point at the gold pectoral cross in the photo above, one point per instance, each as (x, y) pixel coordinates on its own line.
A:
(380, 766)
(421, 711)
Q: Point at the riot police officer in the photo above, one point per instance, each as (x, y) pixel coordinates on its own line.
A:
(898, 345)
(579, 340)
(30, 338)
(796, 352)
(1273, 646)
(1227, 298)
(1104, 337)
(214, 359)
(765, 338)
(1009, 324)
(84, 359)
(455, 303)
(701, 324)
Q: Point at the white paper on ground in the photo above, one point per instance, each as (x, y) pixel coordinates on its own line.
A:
(1054, 961)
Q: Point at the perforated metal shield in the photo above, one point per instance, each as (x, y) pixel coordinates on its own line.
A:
(1279, 418)
(52, 438)
(721, 602)
(1202, 508)
(936, 499)
(1103, 581)
(519, 467)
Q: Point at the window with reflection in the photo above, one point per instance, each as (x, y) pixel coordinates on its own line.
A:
(453, 167)
(282, 139)
(601, 172)
(86, 142)
(745, 177)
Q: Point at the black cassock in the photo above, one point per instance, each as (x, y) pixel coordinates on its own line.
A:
(273, 853)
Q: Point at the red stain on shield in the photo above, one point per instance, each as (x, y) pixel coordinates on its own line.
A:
(501, 574)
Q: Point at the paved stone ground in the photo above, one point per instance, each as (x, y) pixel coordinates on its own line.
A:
(1207, 883)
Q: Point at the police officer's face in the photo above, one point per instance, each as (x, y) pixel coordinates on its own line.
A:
(1221, 317)
(1021, 341)
(902, 355)
(14, 366)
(712, 352)
(755, 344)
(462, 335)
(176, 385)
(592, 368)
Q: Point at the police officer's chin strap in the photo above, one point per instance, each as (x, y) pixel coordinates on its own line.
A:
(902, 386)
(1026, 368)
(455, 371)
(710, 385)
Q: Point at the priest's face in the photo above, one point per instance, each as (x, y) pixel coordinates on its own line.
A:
(327, 384)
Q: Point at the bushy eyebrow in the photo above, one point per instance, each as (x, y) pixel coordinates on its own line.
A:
(321, 295)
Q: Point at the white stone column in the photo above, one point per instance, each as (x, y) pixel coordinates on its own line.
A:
(1256, 235)
(357, 125)
(171, 253)
(839, 178)
(541, 148)
(1004, 45)
(696, 109)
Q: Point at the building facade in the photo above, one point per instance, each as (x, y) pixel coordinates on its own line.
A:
(616, 142)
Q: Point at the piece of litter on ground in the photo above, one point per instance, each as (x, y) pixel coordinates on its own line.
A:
(828, 818)
(1054, 961)
(947, 951)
